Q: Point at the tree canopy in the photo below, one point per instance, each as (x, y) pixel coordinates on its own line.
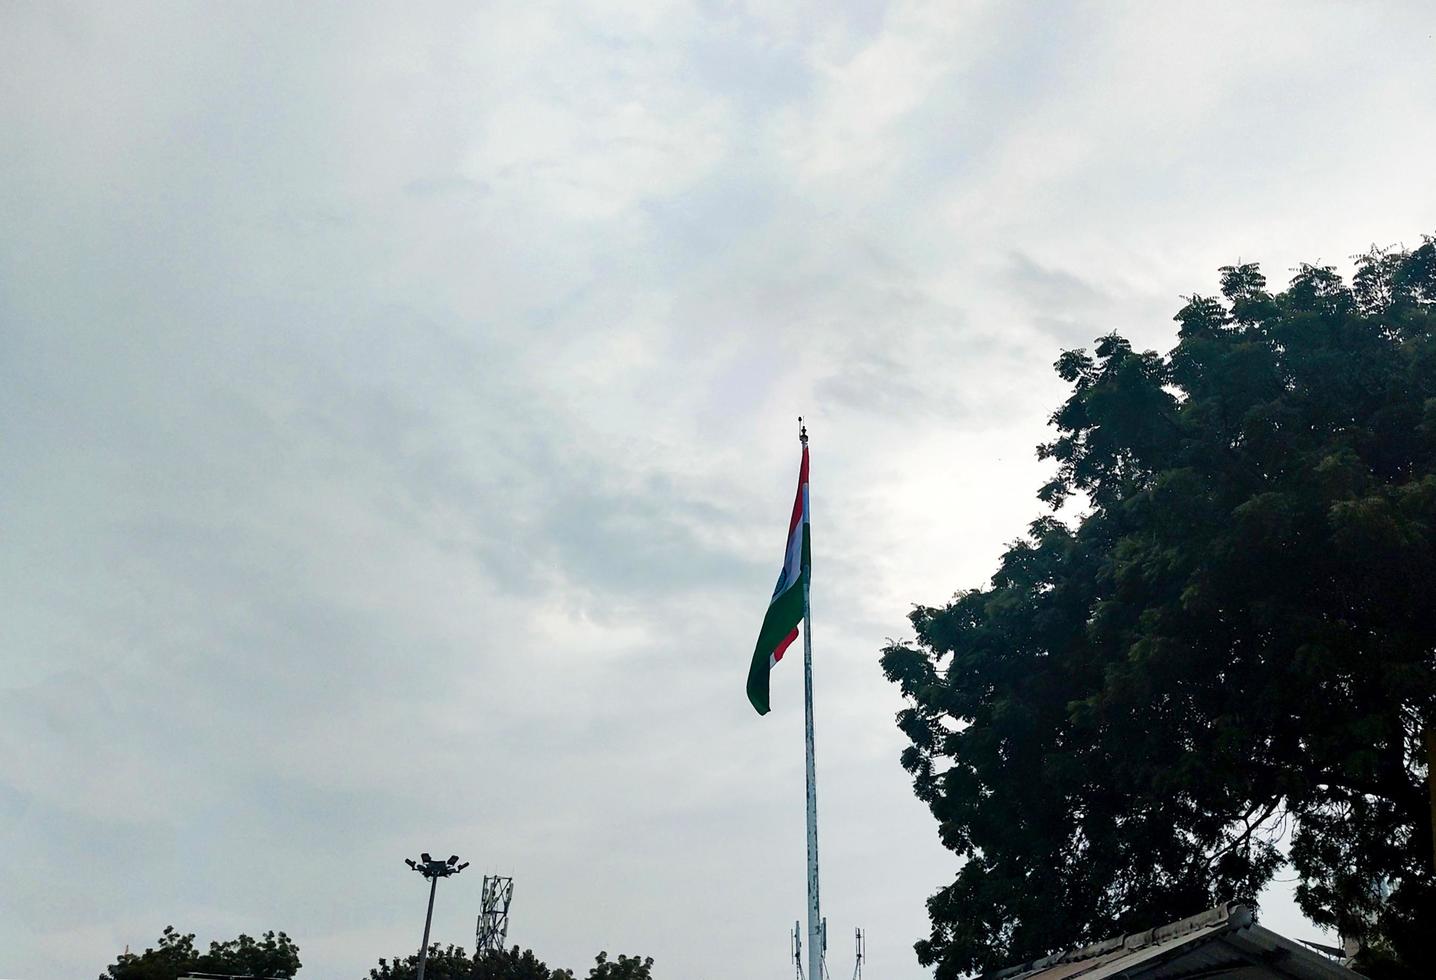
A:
(623, 968)
(1232, 646)
(452, 963)
(175, 954)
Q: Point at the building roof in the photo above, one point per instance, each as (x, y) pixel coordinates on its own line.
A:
(1222, 942)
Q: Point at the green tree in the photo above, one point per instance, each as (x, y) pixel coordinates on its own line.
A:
(623, 968)
(1235, 640)
(273, 955)
(452, 963)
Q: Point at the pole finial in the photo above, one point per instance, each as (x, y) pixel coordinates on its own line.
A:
(802, 431)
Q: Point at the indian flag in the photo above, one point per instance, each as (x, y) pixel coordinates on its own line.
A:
(785, 611)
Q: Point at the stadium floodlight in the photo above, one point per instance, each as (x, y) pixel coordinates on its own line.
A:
(433, 871)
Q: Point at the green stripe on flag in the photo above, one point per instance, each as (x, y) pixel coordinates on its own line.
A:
(784, 613)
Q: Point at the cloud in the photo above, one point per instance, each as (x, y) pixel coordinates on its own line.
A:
(399, 420)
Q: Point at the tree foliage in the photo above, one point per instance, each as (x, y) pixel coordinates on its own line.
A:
(1234, 642)
(623, 968)
(273, 955)
(452, 963)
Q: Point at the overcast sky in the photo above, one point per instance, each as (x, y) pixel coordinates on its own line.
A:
(397, 427)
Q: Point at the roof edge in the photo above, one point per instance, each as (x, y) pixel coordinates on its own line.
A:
(1220, 918)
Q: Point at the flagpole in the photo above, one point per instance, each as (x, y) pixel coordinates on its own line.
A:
(815, 918)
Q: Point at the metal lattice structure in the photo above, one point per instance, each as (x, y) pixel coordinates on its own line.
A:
(493, 928)
(860, 955)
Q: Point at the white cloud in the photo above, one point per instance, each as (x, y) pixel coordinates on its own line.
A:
(399, 413)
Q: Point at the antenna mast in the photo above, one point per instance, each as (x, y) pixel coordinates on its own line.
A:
(493, 929)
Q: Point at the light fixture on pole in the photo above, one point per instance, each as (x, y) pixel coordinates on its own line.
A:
(433, 871)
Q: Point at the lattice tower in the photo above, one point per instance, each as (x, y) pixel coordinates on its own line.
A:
(493, 928)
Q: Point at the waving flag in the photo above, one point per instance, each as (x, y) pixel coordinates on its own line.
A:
(785, 611)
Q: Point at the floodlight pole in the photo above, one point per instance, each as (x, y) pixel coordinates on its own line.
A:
(433, 871)
(428, 918)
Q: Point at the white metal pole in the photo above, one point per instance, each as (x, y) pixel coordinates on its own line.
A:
(815, 917)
